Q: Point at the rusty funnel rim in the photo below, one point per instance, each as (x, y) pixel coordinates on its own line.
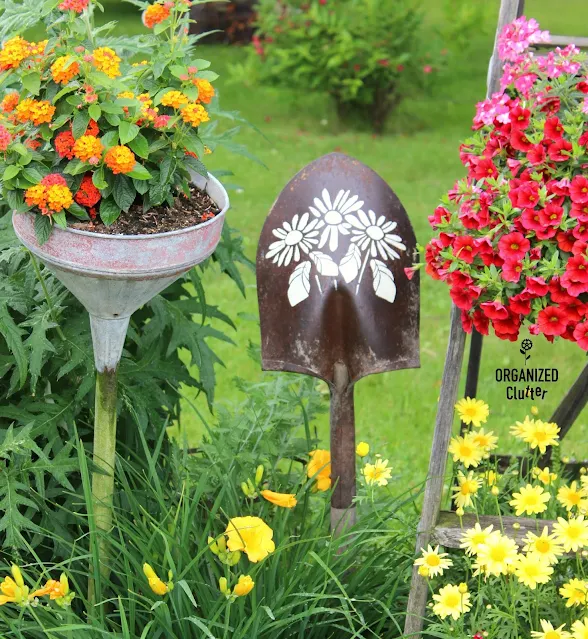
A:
(129, 257)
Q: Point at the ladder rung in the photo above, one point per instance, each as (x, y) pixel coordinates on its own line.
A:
(450, 529)
(562, 41)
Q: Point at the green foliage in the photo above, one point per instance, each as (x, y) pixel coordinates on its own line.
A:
(170, 503)
(367, 54)
(47, 376)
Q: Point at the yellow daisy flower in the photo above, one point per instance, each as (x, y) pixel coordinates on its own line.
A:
(377, 473)
(544, 544)
(532, 500)
(434, 561)
(532, 569)
(466, 450)
(497, 554)
(572, 534)
(474, 538)
(450, 602)
(572, 496)
(467, 487)
(521, 429)
(363, 449)
(542, 434)
(580, 629)
(576, 593)
(544, 475)
(549, 632)
(472, 411)
(486, 441)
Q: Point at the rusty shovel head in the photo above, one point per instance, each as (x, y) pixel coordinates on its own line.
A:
(330, 275)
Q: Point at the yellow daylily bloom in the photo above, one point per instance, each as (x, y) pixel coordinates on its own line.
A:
(244, 586)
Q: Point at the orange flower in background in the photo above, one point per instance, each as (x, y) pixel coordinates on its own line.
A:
(74, 5)
(88, 148)
(64, 69)
(5, 138)
(106, 60)
(36, 196)
(13, 52)
(319, 468)
(120, 159)
(174, 99)
(92, 128)
(64, 143)
(59, 197)
(194, 114)
(37, 48)
(9, 102)
(156, 13)
(37, 112)
(284, 500)
(205, 90)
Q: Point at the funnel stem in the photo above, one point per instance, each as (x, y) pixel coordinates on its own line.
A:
(104, 459)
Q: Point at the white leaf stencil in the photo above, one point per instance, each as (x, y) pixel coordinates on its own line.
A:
(351, 263)
(325, 264)
(384, 285)
(299, 284)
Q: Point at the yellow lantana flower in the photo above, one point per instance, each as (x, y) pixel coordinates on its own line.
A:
(450, 602)
(544, 544)
(473, 538)
(363, 449)
(466, 450)
(572, 534)
(532, 500)
(467, 487)
(250, 535)
(319, 468)
(377, 473)
(174, 99)
(532, 569)
(549, 632)
(434, 561)
(575, 592)
(284, 500)
(106, 60)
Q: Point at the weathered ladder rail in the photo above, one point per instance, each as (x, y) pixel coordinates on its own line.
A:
(445, 528)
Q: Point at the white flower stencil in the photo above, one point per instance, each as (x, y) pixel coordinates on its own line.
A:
(370, 240)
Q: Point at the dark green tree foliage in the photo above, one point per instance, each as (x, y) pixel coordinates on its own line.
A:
(47, 377)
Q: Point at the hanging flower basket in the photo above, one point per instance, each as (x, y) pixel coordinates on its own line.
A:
(511, 237)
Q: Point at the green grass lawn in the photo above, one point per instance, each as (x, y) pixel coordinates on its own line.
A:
(418, 157)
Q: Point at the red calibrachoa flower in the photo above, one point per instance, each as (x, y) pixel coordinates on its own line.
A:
(512, 237)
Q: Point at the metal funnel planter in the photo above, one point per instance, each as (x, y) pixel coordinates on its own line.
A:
(113, 276)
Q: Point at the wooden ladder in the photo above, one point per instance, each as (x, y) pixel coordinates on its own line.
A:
(445, 528)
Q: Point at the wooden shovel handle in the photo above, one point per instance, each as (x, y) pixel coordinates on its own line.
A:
(342, 449)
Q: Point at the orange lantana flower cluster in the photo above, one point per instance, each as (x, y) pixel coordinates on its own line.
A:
(9, 102)
(36, 111)
(156, 13)
(51, 195)
(64, 69)
(106, 60)
(120, 159)
(88, 148)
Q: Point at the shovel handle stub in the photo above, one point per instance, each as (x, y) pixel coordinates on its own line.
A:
(342, 450)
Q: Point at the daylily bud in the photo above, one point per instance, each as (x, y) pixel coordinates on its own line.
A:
(222, 585)
(259, 474)
(213, 545)
(17, 575)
